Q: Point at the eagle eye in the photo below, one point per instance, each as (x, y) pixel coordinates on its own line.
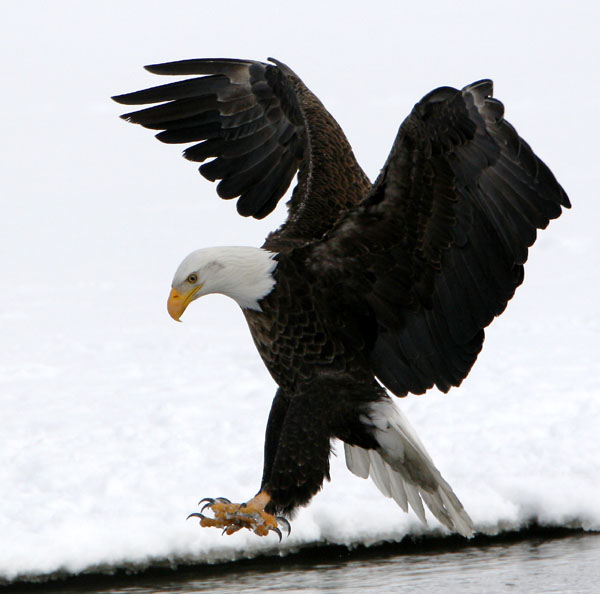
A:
(192, 278)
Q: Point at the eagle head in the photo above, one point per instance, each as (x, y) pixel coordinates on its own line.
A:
(242, 273)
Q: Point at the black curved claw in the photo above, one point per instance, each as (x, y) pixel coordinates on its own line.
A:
(288, 526)
(206, 505)
(196, 515)
(278, 532)
(209, 499)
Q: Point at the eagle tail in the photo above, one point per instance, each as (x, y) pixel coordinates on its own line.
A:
(402, 469)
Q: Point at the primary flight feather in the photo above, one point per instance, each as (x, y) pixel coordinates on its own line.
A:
(365, 284)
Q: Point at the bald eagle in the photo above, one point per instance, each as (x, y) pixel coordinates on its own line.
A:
(365, 286)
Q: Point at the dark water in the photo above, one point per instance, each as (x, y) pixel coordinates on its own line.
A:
(567, 564)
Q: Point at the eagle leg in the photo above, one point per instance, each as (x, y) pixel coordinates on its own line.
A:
(232, 517)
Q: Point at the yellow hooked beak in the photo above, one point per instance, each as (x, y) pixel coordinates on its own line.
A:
(178, 302)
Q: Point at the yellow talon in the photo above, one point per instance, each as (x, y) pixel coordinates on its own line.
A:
(232, 517)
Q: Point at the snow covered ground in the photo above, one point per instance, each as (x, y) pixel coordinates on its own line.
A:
(116, 421)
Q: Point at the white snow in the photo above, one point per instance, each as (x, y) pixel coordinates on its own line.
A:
(115, 421)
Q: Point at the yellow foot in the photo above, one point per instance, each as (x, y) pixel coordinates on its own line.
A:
(234, 516)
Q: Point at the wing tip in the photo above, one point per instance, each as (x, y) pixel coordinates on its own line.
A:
(482, 86)
(565, 202)
(203, 66)
(123, 99)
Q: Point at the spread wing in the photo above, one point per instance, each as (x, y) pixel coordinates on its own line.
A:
(436, 250)
(260, 124)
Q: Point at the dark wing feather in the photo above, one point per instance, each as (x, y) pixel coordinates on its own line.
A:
(261, 125)
(436, 250)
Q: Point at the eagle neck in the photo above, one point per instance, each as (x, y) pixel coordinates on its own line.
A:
(246, 275)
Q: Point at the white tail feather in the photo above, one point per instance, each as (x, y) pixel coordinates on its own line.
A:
(398, 490)
(357, 460)
(379, 473)
(402, 469)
